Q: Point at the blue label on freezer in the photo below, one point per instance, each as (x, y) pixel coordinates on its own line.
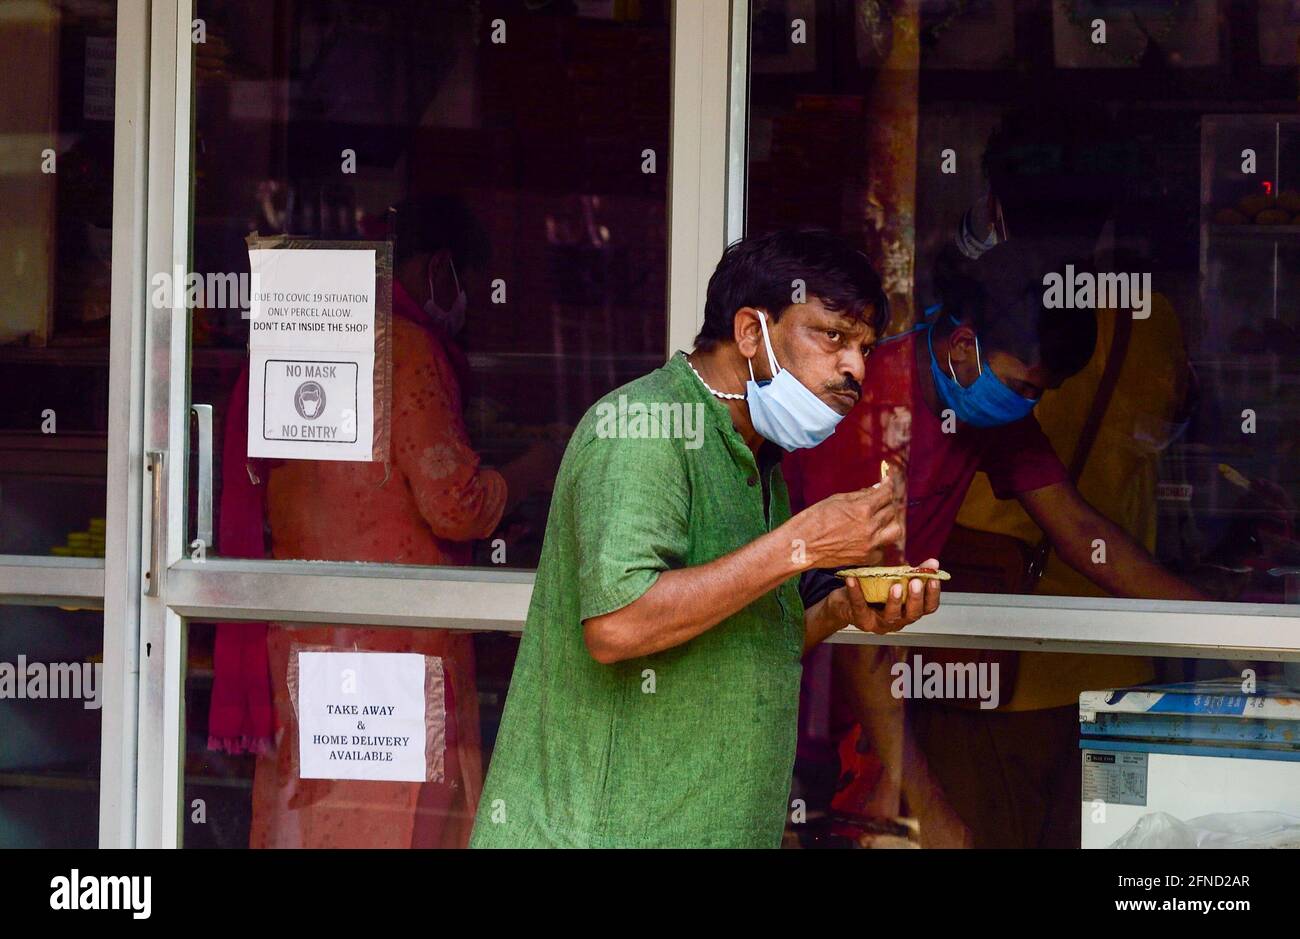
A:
(1200, 704)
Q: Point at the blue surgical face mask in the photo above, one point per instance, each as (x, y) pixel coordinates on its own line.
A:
(783, 410)
(986, 402)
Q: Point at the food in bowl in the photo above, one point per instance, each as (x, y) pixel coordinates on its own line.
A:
(876, 581)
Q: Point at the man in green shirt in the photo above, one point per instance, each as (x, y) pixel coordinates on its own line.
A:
(655, 698)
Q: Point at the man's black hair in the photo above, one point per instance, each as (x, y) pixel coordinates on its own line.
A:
(762, 271)
(1001, 297)
(427, 224)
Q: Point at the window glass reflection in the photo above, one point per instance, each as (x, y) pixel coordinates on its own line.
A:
(1150, 182)
(502, 147)
(57, 81)
(51, 707)
(258, 797)
(1099, 241)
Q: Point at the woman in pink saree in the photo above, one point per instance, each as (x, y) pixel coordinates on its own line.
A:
(423, 506)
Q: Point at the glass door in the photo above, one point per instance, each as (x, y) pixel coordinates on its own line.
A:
(396, 250)
(70, 113)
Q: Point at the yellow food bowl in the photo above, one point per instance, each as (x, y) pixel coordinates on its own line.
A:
(876, 581)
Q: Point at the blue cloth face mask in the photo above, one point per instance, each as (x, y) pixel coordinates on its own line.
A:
(986, 402)
(783, 410)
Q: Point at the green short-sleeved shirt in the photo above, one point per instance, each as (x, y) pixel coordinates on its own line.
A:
(693, 746)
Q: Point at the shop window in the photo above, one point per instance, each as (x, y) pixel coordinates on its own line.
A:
(56, 215)
(51, 710)
(983, 154)
(57, 86)
(1155, 148)
(524, 148)
(256, 793)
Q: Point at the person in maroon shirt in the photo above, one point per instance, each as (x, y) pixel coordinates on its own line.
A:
(950, 398)
(939, 465)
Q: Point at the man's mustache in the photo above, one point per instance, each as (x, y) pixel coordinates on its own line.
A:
(849, 385)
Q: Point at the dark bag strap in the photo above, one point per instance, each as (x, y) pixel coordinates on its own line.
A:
(1091, 427)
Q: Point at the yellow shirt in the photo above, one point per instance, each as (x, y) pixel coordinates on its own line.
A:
(1118, 479)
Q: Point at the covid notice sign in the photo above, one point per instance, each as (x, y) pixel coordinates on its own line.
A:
(312, 354)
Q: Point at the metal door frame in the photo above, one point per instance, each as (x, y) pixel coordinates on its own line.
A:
(345, 593)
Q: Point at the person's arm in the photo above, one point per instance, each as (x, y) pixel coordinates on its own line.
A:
(684, 602)
(846, 606)
(1073, 526)
(458, 499)
(531, 471)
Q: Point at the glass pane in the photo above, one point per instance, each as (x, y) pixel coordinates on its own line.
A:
(966, 145)
(51, 667)
(244, 791)
(56, 183)
(1164, 167)
(523, 147)
(1022, 779)
(56, 207)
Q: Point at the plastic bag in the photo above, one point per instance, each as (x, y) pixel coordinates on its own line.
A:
(1228, 830)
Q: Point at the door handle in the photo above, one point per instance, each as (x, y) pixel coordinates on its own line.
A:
(154, 461)
(203, 414)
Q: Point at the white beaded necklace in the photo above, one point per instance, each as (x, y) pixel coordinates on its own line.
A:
(717, 394)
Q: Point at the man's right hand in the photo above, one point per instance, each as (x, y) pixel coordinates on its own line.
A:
(847, 529)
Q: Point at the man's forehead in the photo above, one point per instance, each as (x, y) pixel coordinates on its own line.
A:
(840, 319)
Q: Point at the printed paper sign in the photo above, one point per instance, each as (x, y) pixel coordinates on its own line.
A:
(312, 354)
(361, 716)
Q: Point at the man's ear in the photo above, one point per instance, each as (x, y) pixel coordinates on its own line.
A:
(747, 332)
(961, 344)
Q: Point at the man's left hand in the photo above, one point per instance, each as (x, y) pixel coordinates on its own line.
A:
(902, 608)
